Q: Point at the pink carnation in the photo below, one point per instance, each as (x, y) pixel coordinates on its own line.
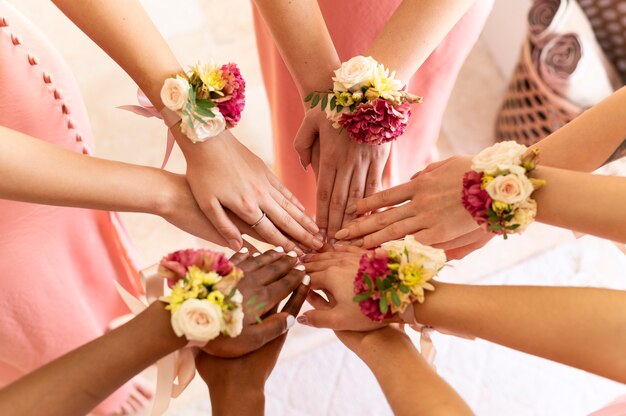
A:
(376, 122)
(174, 266)
(475, 200)
(376, 268)
(232, 104)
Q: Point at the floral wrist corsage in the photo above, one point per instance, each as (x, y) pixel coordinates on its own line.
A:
(497, 191)
(392, 278)
(208, 98)
(204, 300)
(367, 101)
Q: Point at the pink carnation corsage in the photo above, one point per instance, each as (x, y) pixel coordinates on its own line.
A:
(497, 191)
(204, 299)
(393, 277)
(367, 101)
(208, 98)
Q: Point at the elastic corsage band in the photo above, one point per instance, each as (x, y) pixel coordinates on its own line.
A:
(367, 101)
(497, 191)
(208, 98)
(390, 279)
(204, 300)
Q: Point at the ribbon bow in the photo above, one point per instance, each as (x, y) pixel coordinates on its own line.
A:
(146, 109)
(174, 371)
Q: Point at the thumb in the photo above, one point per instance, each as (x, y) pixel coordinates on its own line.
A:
(305, 138)
(319, 318)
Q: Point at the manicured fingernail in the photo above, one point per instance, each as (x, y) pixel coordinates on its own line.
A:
(307, 257)
(304, 165)
(323, 233)
(312, 227)
(256, 254)
(290, 321)
(234, 244)
(342, 234)
(292, 254)
(244, 250)
(279, 249)
(306, 280)
(300, 267)
(332, 241)
(358, 242)
(318, 243)
(350, 209)
(303, 320)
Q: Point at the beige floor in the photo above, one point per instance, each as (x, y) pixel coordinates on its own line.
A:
(195, 30)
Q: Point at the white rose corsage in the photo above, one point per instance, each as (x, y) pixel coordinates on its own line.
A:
(497, 191)
(367, 101)
(208, 98)
(204, 300)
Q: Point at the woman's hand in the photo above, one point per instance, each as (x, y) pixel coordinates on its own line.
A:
(433, 214)
(346, 171)
(224, 174)
(269, 278)
(333, 273)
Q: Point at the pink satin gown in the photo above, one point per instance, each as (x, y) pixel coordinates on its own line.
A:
(434, 80)
(58, 264)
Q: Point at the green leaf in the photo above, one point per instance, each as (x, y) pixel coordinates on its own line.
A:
(308, 98)
(316, 100)
(339, 108)
(368, 281)
(352, 107)
(324, 101)
(395, 298)
(205, 112)
(495, 227)
(491, 213)
(380, 285)
(251, 300)
(384, 307)
(206, 103)
(404, 289)
(260, 306)
(333, 102)
(513, 227)
(258, 319)
(362, 296)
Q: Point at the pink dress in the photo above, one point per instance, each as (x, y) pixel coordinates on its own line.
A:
(434, 80)
(58, 264)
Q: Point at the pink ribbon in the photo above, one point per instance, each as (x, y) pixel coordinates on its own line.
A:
(176, 370)
(146, 109)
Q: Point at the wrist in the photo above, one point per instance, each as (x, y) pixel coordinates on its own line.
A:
(155, 324)
(237, 398)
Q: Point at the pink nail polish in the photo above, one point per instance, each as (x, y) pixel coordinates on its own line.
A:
(303, 320)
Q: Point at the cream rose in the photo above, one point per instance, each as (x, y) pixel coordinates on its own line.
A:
(175, 93)
(201, 132)
(512, 189)
(197, 320)
(435, 258)
(354, 73)
(499, 157)
(524, 215)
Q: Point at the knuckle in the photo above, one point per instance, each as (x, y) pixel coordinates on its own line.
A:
(337, 204)
(380, 220)
(323, 195)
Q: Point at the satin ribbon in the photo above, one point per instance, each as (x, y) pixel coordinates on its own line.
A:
(176, 370)
(146, 109)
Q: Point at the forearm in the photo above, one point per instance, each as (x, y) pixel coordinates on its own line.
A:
(125, 32)
(416, 28)
(588, 141)
(588, 203)
(78, 381)
(408, 382)
(56, 176)
(301, 35)
(580, 327)
(237, 399)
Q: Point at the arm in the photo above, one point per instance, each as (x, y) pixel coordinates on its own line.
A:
(125, 32)
(78, 381)
(410, 385)
(416, 28)
(101, 184)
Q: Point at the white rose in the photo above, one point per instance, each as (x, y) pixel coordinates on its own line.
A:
(498, 157)
(435, 258)
(175, 93)
(354, 73)
(513, 188)
(197, 320)
(201, 132)
(524, 215)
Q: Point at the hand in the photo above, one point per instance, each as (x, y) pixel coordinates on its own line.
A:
(333, 273)
(269, 278)
(224, 174)
(346, 171)
(433, 214)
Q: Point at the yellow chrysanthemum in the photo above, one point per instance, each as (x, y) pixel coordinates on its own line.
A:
(500, 207)
(410, 274)
(216, 297)
(344, 99)
(211, 76)
(198, 277)
(486, 181)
